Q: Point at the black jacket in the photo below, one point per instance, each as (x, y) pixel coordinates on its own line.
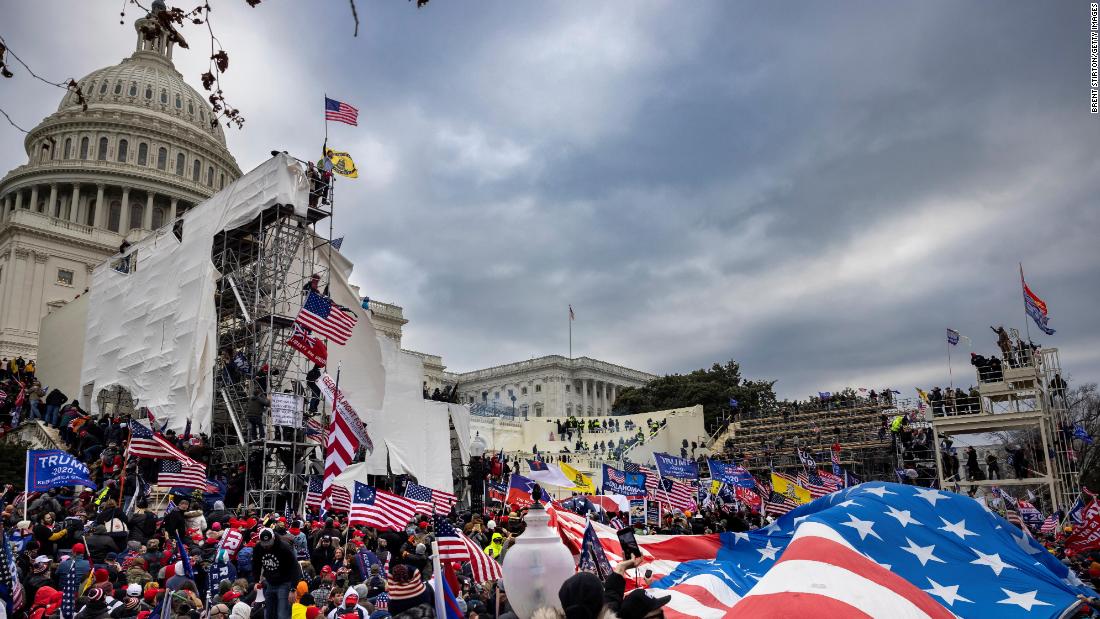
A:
(278, 564)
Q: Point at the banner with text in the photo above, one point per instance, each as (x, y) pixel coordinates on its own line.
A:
(286, 410)
(621, 482)
(676, 467)
(53, 468)
(731, 474)
(1086, 535)
(327, 385)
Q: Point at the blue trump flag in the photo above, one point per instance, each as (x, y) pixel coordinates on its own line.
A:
(1081, 433)
(53, 468)
(730, 474)
(678, 468)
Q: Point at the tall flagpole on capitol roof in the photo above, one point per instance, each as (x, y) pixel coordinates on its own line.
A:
(1027, 327)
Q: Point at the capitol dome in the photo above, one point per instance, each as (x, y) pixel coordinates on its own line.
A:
(147, 148)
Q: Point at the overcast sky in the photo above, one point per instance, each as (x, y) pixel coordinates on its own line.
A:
(816, 191)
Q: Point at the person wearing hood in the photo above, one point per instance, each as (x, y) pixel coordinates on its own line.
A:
(39, 577)
(179, 577)
(275, 564)
(350, 605)
(143, 523)
(496, 547)
(46, 602)
(100, 544)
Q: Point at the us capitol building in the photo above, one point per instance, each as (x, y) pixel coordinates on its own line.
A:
(144, 152)
(147, 150)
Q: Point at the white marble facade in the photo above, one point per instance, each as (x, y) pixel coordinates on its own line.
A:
(147, 149)
(550, 386)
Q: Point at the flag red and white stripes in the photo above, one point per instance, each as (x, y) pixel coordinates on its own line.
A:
(821, 575)
(182, 474)
(675, 494)
(326, 319)
(341, 112)
(380, 509)
(146, 443)
(454, 546)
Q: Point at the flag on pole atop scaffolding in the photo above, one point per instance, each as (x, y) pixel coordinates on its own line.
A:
(1035, 307)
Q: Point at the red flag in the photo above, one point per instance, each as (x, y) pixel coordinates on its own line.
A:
(748, 497)
(1086, 536)
(313, 348)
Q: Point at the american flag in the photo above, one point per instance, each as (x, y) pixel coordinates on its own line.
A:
(10, 584)
(970, 564)
(315, 431)
(454, 546)
(341, 498)
(326, 319)
(1050, 525)
(341, 112)
(148, 444)
(1013, 516)
(831, 481)
(182, 474)
(821, 575)
(431, 500)
(811, 481)
(676, 494)
(340, 450)
(380, 509)
(774, 503)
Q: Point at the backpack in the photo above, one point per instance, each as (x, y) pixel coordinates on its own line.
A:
(244, 559)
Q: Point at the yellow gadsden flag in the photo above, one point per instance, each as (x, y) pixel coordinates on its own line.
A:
(791, 490)
(342, 164)
(583, 482)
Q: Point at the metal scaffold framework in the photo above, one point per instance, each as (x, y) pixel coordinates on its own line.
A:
(266, 266)
(1022, 406)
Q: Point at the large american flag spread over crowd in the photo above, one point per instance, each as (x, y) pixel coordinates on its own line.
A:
(928, 552)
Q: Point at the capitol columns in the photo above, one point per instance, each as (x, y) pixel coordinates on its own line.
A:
(75, 204)
(51, 206)
(147, 214)
(18, 199)
(124, 216)
(101, 209)
(172, 209)
(34, 197)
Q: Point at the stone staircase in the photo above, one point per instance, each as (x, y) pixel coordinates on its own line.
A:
(33, 435)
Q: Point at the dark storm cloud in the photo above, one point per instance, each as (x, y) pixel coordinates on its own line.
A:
(817, 192)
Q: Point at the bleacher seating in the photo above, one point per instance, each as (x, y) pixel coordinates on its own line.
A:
(772, 438)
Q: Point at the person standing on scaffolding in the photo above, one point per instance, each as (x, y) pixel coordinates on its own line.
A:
(327, 166)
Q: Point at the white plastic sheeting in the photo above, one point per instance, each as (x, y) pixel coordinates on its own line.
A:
(152, 330)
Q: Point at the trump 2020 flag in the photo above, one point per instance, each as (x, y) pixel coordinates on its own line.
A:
(53, 468)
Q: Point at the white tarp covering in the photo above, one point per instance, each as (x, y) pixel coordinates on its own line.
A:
(152, 330)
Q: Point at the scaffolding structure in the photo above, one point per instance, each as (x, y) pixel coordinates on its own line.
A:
(266, 266)
(1022, 402)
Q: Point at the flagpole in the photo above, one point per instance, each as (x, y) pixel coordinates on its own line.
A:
(950, 374)
(125, 462)
(27, 486)
(570, 331)
(1027, 327)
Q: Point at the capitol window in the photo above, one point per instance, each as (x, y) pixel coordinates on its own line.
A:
(191, 107)
(181, 161)
(568, 388)
(179, 101)
(123, 148)
(538, 409)
(103, 88)
(101, 154)
(210, 177)
(137, 213)
(164, 96)
(143, 153)
(496, 395)
(523, 391)
(221, 181)
(68, 147)
(133, 89)
(162, 159)
(65, 278)
(118, 87)
(114, 215)
(83, 148)
(196, 171)
(148, 92)
(538, 388)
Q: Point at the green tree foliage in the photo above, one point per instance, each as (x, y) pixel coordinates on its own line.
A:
(712, 388)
